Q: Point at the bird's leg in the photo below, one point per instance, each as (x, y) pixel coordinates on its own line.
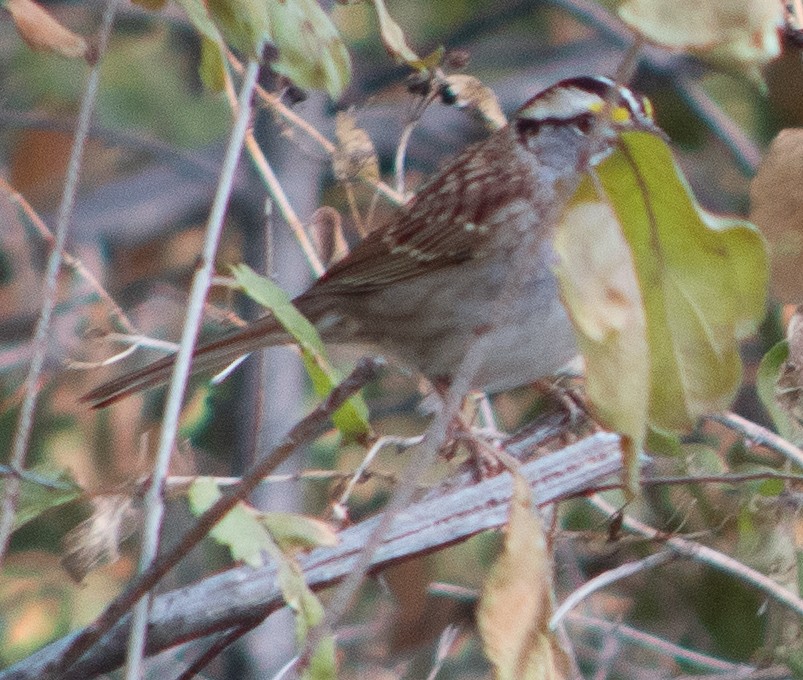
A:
(571, 398)
(484, 453)
(461, 430)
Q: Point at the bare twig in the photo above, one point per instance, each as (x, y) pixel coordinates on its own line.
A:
(154, 502)
(281, 200)
(226, 600)
(446, 641)
(22, 436)
(708, 556)
(660, 645)
(304, 431)
(760, 435)
(69, 260)
(604, 580)
(219, 644)
(379, 444)
(276, 105)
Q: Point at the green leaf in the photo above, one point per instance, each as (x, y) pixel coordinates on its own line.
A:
(772, 487)
(600, 291)
(766, 385)
(311, 51)
(292, 531)
(200, 18)
(212, 65)
(42, 489)
(243, 532)
(245, 24)
(322, 663)
(240, 530)
(703, 280)
(351, 419)
(309, 613)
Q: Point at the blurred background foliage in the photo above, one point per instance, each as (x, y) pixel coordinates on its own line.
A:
(148, 178)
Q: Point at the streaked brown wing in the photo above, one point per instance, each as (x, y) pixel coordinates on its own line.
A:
(445, 224)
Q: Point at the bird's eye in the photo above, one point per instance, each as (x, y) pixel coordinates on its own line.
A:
(584, 122)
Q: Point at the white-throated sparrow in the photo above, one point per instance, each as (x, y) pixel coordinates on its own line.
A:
(431, 280)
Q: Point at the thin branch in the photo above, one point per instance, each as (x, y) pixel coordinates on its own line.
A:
(154, 502)
(606, 579)
(304, 431)
(69, 260)
(22, 436)
(225, 600)
(222, 642)
(657, 644)
(378, 445)
(724, 478)
(708, 556)
(446, 641)
(276, 105)
(760, 435)
(280, 198)
(273, 184)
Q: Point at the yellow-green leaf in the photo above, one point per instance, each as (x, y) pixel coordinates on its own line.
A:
(200, 18)
(212, 66)
(308, 614)
(351, 419)
(703, 280)
(43, 489)
(599, 288)
(293, 532)
(240, 530)
(767, 386)
(245, 24)
(393, 36)
(311, 51)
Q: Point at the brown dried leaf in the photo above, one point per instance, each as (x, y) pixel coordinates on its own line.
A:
(777, 208)
(153, 5)
(789, 385)
(96, 541)
(470, 92)
(516, 604)
(355, 156)
(43, 33)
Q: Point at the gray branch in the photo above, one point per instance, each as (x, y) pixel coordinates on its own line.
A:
(245, 595)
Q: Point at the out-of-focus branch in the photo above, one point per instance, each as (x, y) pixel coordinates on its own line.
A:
(22, 434)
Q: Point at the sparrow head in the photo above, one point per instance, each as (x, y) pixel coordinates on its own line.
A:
(589, 107)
